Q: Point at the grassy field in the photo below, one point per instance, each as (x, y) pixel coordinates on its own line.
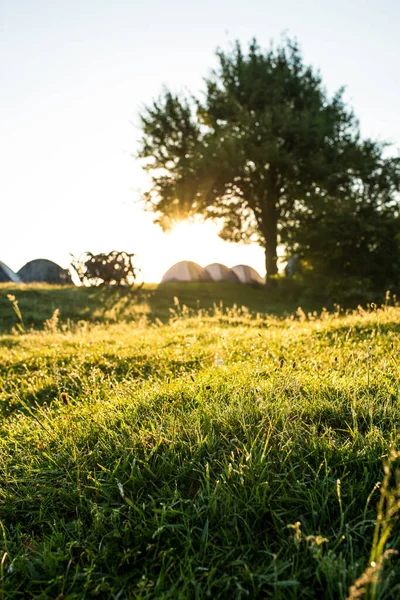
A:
(207, 446)
(98, 305)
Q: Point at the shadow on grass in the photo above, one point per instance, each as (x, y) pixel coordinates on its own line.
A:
(37, 302)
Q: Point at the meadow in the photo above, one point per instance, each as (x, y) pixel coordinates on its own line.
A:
(197, 441)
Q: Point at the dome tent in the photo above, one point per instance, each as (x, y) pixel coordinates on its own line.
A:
(247, 274)
(44, 271)
(185, 270)
(7, 274)
(219, 272)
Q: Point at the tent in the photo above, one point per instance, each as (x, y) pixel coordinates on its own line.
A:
(45, 271)
(292, 265)
(186, 270)
(7, 274)
(247, 274)
(219, 272)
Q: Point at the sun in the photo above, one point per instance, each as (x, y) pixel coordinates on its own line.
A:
(194, 241)
(193, 235)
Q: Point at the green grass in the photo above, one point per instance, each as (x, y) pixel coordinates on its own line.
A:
(99, 305)
(201, 453)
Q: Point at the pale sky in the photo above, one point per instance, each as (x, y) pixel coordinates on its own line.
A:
(74, 75)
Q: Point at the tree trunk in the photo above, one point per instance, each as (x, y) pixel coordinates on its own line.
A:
(270, 261)
(270, 231)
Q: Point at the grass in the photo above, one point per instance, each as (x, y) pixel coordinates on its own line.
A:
(99, 305)
(204, 452)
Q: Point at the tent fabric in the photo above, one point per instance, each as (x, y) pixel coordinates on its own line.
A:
(219, 272)
(292, 265)
(247, 274)
(185, 270)
(44, 271)
(7, 274)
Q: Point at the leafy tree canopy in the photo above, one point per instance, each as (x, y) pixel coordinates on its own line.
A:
(264, 151)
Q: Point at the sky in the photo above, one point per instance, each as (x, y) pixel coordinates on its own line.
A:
(74, 76)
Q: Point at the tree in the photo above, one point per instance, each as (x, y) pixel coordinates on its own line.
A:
(265, 147)
(354, 243)
(348, 253)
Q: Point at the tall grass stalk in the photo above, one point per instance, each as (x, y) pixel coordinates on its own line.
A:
(14, 302)
(367, 585)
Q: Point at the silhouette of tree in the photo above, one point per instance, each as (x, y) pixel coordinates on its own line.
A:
(261, 152)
